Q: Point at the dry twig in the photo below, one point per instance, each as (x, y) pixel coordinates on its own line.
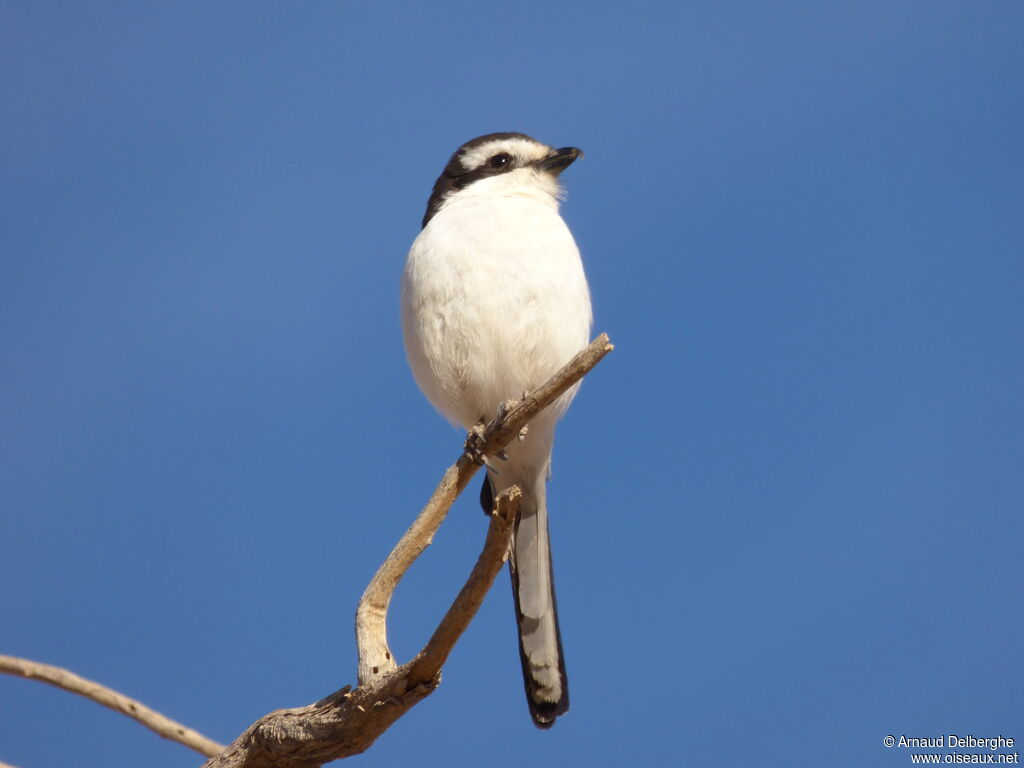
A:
(375, 657)
(348, 721)
(118, 702)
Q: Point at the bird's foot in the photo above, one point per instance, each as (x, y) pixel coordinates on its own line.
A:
(504, 409)
(474, 448)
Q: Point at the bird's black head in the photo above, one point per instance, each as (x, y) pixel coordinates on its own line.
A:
(493, 155)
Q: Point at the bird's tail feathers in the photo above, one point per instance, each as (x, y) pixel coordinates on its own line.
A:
(533, 587)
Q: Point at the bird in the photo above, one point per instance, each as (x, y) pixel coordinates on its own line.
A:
(494, 300)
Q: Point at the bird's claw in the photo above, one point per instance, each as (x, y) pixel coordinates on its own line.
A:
(474, 448)
(475, 443)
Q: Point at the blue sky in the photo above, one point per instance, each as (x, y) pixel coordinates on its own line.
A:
(786, 512)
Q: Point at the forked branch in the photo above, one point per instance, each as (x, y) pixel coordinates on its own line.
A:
(375, 658)
(349, 721)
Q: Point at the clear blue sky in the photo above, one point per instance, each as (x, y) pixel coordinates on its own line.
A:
(786, 512)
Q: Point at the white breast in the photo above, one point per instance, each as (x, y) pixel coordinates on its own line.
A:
(494, 300)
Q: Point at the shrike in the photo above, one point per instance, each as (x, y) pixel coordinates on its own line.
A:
(494, 301)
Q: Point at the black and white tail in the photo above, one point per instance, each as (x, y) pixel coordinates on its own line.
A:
(533, 587)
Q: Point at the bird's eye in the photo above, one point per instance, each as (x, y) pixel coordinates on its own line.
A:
(500, 160)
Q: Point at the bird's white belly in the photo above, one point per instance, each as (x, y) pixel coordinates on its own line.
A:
(494, 301)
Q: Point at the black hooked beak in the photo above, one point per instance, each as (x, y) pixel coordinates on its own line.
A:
(559, 159)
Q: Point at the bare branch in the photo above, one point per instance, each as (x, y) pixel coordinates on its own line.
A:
(375, 658)
(427, 665)
(348, 721)
(108, 697)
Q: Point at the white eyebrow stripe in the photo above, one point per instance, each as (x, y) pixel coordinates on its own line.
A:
(524, 149)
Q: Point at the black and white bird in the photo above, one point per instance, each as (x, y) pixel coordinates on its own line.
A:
(494, 301)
